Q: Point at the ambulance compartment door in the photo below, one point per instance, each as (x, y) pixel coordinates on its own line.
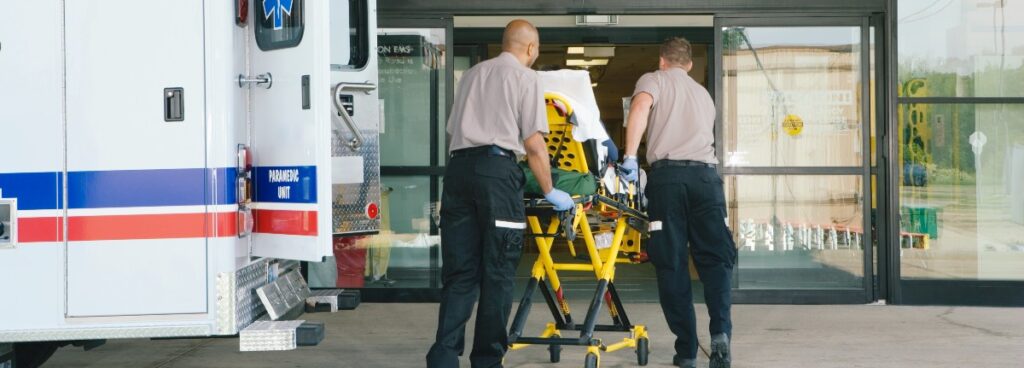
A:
(136, 180)
(288, 84)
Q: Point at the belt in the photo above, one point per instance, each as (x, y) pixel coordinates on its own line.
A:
(491, 150)
(681, 163)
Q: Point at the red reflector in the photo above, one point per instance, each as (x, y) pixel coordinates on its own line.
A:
(372, 210)
(243, 12)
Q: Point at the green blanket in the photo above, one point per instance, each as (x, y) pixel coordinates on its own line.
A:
(571, 182)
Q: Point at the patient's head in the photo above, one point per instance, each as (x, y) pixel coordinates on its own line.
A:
(522, 40)
(676, 52)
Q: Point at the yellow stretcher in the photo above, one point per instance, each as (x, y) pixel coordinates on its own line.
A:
(603, 214)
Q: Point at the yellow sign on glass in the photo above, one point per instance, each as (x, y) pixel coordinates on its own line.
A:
(793, 125)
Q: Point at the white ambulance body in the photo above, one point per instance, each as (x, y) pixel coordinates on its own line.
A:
(128, 206)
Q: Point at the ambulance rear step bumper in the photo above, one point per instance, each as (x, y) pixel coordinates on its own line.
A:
(332, 300)
(280, 335)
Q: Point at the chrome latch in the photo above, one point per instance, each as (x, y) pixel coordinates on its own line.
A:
(262, 80)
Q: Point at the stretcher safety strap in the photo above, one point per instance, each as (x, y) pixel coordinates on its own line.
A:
(510, 224)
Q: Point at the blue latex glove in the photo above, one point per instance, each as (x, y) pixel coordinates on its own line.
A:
(561, 200)
(630, 169)
(613, 152)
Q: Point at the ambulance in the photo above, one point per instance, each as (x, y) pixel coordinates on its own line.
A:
(161, 161)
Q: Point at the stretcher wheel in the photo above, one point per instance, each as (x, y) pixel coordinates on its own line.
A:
(555, 351)
(590, 361)
(643, 350)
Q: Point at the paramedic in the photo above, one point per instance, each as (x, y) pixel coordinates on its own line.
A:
(687, 203)
(498, 114)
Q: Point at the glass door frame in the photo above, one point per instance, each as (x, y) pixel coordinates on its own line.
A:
(866, 293)
(435, 169)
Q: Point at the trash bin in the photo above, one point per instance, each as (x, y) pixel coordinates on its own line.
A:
(920, 220)
(351, 261)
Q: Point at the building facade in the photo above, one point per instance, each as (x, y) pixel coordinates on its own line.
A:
(870, 150)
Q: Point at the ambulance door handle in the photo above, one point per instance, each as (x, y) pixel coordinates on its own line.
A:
(174, 104)
(263, 80)
(357, 137)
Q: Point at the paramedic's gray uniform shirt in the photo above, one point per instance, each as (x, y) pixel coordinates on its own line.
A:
(682, 122)
(499, 102)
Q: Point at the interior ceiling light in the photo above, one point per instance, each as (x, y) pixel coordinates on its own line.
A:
(586, 62)
(597, 20)
(591, 52)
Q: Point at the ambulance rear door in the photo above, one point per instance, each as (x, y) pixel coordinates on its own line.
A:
(289, 84)
(356, 125)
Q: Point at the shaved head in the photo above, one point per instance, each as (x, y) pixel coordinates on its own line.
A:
(522, 40)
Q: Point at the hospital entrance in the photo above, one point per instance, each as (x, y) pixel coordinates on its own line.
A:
(795, 160)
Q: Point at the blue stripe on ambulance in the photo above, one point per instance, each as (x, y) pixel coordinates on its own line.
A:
(122, 188)
(146, 188)
(34, 191)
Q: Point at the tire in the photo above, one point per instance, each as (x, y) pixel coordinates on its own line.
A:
(555, 351)
(643, 351)
(590, 361)
(33, 354)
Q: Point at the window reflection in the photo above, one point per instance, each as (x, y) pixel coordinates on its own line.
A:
(400, 255)
(962, 191)
(962, 47)
(412, 93)
(792, 96)
(797, 231)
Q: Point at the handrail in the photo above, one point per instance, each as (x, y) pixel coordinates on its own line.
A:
(357, 137)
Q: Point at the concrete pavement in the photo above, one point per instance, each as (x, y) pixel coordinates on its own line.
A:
(398, 335)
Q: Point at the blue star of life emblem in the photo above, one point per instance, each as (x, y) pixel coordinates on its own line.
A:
(277, 9)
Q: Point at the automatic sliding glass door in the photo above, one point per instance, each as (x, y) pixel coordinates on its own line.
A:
(794, 139)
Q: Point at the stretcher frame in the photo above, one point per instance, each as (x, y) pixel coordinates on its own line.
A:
(630, 224)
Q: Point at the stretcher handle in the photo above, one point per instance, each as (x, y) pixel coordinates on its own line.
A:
(576, 199)
(637, 194)
(620, 174)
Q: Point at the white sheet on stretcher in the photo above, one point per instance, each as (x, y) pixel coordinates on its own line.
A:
(575, 87)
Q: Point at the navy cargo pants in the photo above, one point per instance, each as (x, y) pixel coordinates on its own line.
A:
(482, 223)
(687, 213)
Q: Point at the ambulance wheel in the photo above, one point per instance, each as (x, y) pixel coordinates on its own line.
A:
(33, 354)
(590, 361)
(555, 351)
(643, 350)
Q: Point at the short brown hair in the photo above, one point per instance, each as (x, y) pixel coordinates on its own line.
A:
(677, 50)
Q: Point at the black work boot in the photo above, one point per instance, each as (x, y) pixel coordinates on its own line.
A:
(683, 362)
(720, 357)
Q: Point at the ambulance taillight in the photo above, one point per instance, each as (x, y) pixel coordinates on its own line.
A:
(244, 188)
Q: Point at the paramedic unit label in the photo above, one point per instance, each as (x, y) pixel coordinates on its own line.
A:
(284, 192)
(295, 184)
(284, 175)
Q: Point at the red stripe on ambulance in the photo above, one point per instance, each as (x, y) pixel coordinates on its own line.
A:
(40, 229)
(128, 227)
(285, 222)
